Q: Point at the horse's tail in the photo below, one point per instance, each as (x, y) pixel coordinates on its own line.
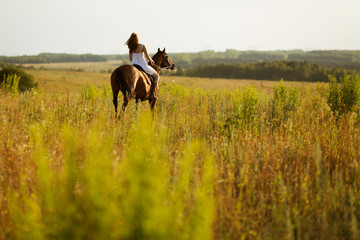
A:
(124, 87)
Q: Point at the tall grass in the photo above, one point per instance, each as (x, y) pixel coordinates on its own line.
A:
(10, 83)
(206, 164)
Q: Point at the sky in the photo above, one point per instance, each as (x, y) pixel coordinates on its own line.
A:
(30, 27)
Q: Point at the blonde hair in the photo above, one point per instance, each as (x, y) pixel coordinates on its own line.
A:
(133, 42)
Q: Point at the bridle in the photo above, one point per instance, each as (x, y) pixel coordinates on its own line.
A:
(168, 62)
(166, 58)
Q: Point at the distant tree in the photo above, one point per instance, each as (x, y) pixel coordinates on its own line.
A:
(26, 81)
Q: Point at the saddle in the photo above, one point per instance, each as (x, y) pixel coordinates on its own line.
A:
(149, 78)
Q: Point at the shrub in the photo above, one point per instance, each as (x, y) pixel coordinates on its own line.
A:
(26, 81)
(342, 97)
(246, 108)
(284, 102)
(248, 105)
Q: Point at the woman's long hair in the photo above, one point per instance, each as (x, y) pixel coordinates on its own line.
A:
(133, 42)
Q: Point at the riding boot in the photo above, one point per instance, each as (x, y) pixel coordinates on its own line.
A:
(152, 90)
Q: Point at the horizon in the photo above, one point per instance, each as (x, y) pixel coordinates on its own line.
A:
(102, 27)
(209, 50)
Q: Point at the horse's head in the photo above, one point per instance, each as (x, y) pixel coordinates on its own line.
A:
(162, 60)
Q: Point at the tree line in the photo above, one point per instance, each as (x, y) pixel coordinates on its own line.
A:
(348, 59)
(52, 58)
(288, 70)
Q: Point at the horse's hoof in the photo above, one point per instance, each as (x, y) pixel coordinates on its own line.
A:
(153, 98)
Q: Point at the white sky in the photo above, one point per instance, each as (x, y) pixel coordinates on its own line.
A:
(103, 26)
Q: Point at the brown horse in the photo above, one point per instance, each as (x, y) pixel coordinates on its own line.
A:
(136, 84)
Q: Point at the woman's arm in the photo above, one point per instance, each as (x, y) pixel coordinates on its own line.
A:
(130, 56)
(147, 55)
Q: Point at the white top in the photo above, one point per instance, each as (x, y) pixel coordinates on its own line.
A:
(139, 59)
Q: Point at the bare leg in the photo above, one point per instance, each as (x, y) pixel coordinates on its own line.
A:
(153, 86)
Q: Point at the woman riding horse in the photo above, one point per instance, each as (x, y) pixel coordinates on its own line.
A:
(134, 83)
(136, 56)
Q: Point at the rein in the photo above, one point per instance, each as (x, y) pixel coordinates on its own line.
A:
(154, 66)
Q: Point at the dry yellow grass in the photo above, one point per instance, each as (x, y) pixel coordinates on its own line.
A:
(74, 81)
(220, 83)
(67, 81)
(83, 66)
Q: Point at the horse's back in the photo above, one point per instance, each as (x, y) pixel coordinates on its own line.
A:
(132, 77)
(125, 73)
(125, 70)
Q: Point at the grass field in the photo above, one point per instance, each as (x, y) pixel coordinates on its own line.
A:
(64, 77)
(78, 66)
(217, 159)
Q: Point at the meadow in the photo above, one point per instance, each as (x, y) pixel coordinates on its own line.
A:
(73, 77)
(216, 159)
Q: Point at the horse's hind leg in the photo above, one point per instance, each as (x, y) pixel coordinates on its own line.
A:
(137, 100)
(126, 101)
(115, 100)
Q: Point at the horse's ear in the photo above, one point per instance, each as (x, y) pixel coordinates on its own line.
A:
(164, 50)
(159, 50)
